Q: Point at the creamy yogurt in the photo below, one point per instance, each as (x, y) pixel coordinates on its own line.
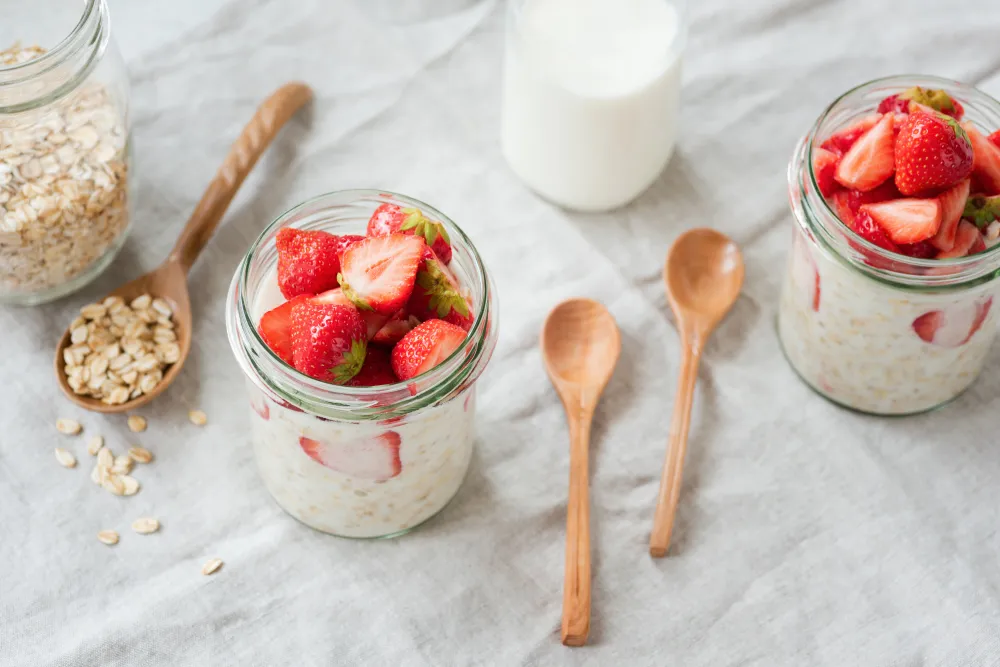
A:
(877, 348)
(591, 95)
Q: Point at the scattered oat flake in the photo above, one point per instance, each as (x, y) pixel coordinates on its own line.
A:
(211, 566)
(136, 424)
(114, 485)
(140, 454)
(108, 537)
(198, 418)
(145, 526)
(105, 458)
(68, 426)
(95, 444)
(65, 458)
(97, 476)
(131, 485)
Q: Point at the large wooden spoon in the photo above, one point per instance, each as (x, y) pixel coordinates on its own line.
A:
(580, 346)
(169, 280)
(703, 275)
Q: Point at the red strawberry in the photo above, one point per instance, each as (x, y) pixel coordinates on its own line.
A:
(375, 458)
(932, 98)
(336, 297)
(397, 327)
(906, 220)
(867, 229)
(954, 326)
(995, 138)
(376, 371)
(932, 152)
(982, 210)
(952, 206)
(275, 327)
(308, 262)
(392, 219)
(824, 168)
(378, 273)
(841, 142)
(921, 250)
(437, 294)
(328, 341)
(965, 241)
(425, 347)
(986, 163)
(869, 162)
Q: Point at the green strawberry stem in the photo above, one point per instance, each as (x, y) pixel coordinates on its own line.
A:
(355, 298)
(982, 210)
(351, 362)
(443, 297)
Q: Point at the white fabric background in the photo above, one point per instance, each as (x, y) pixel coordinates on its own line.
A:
(807, 535)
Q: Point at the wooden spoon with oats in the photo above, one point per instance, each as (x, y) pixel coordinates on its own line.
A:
(124, 351)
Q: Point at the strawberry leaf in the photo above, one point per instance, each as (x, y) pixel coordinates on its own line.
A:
(351, 362)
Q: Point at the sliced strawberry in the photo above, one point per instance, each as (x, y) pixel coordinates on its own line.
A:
(995, 138)
(378, 273)
(921, 250)
(907, 220)
(328, 341)
(841, 142)
(375, 459)
(869, 162)
(965, 241)
(392, 219)
(397, 327)
(336, 297)
(867, 229)
(932, 152)
(824, 167)
(275, 327)
(952, 206)
(953, 326)
(986, 162)
(308, 261)
(847, 202)
(932, 98)
(438, 295)
(376, 371)
(425, 347)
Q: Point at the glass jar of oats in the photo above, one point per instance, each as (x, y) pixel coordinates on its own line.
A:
(65, 163)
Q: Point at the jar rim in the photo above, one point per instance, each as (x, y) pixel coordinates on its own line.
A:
(449, 377)
(894, 268)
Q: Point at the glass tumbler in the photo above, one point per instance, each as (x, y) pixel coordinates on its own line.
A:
(65, 160)
(392, 456)
(871, 329)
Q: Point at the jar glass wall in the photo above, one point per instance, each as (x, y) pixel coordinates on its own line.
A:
(358, 461)
(65, 159)
(854, 319)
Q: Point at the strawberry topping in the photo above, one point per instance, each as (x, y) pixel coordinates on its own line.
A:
(377, 370)
(932, 152)
(952, 207)
(328, 340)
(425, 347)
(438, 295)
(869, 162)
(308, 261)
(392, 219)
(986, 162)
(378, 273)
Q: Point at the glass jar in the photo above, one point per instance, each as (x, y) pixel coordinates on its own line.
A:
(65, 162)
(871, 329)
(393, 455)
(591, 127)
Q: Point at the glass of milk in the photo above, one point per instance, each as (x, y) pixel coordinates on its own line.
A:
(591, 96)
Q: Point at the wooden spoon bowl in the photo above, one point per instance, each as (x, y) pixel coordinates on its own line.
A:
(169, 280)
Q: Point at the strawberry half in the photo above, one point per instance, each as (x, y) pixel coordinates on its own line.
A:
(438, 295)
(336, 297)
(401, 324)
(995, 138)
(986, 162)
(375, 459)
(869, 162)
(376, 371)
(953, 326)
(392, 219)
(378, 273)
(328, 341)
(906, 220)
(867, 229)
(968, 241)
(425, 347)
(932, 152)
(275, 327)
(308, 261)
(841, 142)
(952, 207)
(932, 98)
(824, 168)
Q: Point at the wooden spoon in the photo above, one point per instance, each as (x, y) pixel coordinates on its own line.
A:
(169, 280)
(703, 274)
(580, 346)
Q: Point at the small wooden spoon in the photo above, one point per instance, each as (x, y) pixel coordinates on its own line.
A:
(703, 274)
(580, 346)
(169, 280)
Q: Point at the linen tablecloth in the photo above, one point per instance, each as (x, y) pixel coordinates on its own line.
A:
(807, 535)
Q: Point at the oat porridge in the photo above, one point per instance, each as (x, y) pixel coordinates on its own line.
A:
(887, 305)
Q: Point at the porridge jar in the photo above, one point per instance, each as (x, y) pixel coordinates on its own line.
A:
(885, 327)
(368, 461)
(64, 148)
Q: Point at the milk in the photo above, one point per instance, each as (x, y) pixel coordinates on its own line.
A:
(591, 92)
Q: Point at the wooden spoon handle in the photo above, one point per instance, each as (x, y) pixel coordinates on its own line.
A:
(576, 585)
(673, 466)
(251, 144)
